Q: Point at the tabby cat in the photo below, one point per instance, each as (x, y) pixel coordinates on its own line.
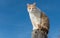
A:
(38, 18)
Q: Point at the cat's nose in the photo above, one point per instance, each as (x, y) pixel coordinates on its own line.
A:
(31, 9)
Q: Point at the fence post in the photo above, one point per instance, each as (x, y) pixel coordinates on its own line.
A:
(38, 34)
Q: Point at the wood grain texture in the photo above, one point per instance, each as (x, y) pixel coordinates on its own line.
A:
(38, 34)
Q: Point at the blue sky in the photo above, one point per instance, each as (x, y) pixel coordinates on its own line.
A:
(15, 22)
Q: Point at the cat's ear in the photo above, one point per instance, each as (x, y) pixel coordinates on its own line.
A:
(27, 4)
(34, 3)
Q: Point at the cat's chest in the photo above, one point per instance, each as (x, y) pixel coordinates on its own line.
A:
(34, 18)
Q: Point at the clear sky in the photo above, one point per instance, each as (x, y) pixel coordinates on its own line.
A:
(15, 22)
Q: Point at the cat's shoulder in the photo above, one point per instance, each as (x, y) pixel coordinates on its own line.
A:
(43, 15)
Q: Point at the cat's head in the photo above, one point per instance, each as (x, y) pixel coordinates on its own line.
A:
(31, 7)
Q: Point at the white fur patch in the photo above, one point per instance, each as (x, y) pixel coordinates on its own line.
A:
(35, 16)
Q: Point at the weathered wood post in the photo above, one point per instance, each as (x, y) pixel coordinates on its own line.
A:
(38, 34)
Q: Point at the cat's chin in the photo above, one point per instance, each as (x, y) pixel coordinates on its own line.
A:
(30, 11)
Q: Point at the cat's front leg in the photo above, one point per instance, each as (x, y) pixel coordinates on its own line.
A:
(38, 26)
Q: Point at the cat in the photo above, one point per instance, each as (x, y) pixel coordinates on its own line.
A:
(38, 18)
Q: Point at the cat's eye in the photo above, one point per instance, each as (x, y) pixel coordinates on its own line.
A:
(33, 8)
(29, 8)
